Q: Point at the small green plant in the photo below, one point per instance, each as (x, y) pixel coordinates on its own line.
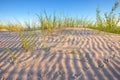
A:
(24, 42)
(13, 58)
(29, 41)
(43, 31)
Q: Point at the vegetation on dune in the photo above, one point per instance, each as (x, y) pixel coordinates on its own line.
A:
(28, 41)
(48, 23)
(109, 22)
(14, 27)
(11, 54)
(24, 41)
(11, 26)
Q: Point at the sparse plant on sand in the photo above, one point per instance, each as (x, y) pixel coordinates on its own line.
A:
(11, 54)
(28, 41)
(24, 41)
(43, 29)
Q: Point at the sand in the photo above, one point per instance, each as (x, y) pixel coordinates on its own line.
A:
(74, 54)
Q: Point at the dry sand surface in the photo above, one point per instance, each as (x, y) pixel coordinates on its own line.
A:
(74, 54)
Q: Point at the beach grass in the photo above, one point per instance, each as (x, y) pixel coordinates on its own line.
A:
(49, 22)
(28, 40)
(24, 41)
(11, 54)
(110, 20)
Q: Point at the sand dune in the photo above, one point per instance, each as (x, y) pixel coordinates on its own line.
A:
(76, 54)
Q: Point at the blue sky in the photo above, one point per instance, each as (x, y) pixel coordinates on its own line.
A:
(26, 9)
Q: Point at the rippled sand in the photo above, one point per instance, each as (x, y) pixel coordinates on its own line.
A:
(74, 54)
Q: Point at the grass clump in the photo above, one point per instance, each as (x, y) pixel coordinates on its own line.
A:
(28, 41)
(24, 42)
(11, 54)
(110, 19)
(47, 25)
(109, 22)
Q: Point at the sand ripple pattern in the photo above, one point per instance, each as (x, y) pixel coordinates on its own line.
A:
(74, 54)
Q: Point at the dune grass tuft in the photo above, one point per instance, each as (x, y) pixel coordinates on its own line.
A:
(24, 41)
(11, 54)
(110, 20)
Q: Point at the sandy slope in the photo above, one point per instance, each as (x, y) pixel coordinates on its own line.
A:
(76, 54)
